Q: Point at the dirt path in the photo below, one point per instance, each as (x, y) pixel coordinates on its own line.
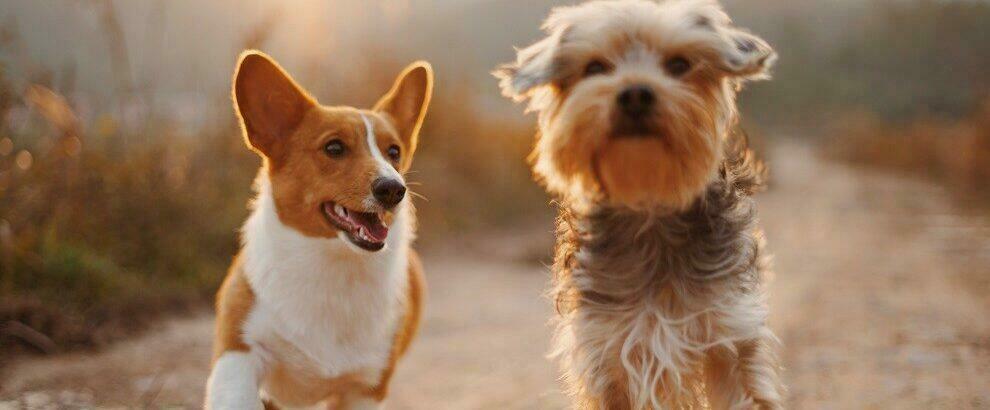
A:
(880, 299)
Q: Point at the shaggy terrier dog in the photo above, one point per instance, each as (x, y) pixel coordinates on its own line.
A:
(659, 262)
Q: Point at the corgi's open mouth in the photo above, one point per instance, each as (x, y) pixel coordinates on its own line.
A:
(364, 229)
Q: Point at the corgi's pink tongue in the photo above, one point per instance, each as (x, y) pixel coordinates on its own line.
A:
(371, 224)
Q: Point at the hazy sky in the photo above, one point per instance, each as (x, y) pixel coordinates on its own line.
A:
(182, 51)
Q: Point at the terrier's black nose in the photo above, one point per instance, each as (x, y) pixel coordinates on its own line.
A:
(637, 100)
(388, 191)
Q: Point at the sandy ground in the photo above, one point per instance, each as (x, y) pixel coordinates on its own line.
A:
(880, 299)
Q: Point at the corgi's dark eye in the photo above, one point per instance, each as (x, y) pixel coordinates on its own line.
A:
(677, 66)
(394, 153)
(595, 67)
(335, 148)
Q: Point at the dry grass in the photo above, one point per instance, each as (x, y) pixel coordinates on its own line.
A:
(472, 170)
(954, 152)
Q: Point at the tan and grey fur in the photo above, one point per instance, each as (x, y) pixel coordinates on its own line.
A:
(659, 267)
(654, 308)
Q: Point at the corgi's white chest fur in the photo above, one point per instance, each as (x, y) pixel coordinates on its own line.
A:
(322, 305)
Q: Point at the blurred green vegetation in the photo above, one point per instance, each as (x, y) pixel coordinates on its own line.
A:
(99, 234)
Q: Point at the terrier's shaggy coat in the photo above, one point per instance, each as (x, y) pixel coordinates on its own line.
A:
(659, 258)
(673, 301)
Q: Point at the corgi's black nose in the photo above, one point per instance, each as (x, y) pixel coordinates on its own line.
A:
(388, 191)
(636, 101)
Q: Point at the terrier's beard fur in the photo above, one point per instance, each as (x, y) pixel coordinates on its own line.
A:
(579, 156)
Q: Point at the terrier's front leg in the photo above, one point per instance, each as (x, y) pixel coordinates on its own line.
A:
(760, 372)
(233, 383)
(745, 378)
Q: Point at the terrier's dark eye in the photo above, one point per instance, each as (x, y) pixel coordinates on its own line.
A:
(595, 67)
(394, 153)
(335, 148)
(677, 66)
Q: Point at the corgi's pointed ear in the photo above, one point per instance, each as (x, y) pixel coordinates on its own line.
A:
(268, 102)
(407, 102)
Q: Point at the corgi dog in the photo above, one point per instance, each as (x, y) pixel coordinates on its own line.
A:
(325, 295)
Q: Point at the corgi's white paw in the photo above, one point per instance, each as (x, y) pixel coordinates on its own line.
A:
(233, 384)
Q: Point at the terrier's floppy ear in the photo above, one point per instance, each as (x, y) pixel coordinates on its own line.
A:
(533, 68)
(268, 102)
(407, 102)
(744, 55)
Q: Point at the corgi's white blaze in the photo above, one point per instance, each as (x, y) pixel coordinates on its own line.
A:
(319, 305)
(385, 169)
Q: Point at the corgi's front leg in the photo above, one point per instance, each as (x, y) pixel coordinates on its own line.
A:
(233, 383)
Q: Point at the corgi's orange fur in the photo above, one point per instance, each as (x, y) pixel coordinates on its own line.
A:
(326, 293)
